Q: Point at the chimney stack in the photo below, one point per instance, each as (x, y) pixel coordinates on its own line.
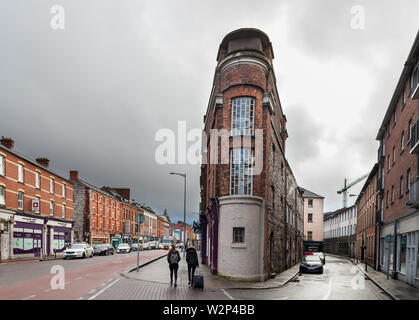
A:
(74, 175)
(7, 142)
(43, 162)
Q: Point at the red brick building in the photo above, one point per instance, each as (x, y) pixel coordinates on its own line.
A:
(177, 231)
(252, 211)
(103, 215)
(398, 184)
(366, 227)
(160, 227)
(36, 206)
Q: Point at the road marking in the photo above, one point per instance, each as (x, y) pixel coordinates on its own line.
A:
(103, 290)
(29, 297)
(225, 292)
(329, 290)
(91, 291)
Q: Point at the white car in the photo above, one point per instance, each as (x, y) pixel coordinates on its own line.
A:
(78, 250)
(123, 247)
(146, 246)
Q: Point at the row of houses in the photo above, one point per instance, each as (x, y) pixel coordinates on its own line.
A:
(386, 212)
(41, 212)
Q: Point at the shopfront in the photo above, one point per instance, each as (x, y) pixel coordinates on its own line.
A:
(6, 247)
(59, 235)
(27, 236)
(115, 240)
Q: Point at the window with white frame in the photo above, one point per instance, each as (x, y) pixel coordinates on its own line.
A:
(20, 200)
(51, 185)
(415, 78)
(2, 198)
(408, 180)
(242, 116)
(51, 208)
(241, 171)
(238, 235)
(402, 141)
(63, 190)
(63, 211)
(37, 180)
(2, 161)
(20, 173)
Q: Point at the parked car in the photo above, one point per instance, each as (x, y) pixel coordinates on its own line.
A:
(321, 255)
(135, 246)
(160, 245)
(153, 245)
(123, 248)
(78, 250)
(146, 246)
(103, 249)
(167, 243)
(311, 264)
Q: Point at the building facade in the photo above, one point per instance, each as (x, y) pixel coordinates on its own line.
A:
(397, 215)
(177, 232)
(313, 215)
(340, 231)
(366, 227)
(36, 206)
(249, 197)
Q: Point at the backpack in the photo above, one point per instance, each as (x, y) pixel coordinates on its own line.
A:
(174, 258)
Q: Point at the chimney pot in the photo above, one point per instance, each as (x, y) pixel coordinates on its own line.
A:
(7, 142)
(74, 175)
(43, 161)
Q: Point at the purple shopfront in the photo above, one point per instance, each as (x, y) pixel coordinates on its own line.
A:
(59, 235)
(27, 236)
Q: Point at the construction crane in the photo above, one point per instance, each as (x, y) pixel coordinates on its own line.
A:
(346, 186)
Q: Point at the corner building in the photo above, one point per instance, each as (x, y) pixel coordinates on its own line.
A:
(251, 219)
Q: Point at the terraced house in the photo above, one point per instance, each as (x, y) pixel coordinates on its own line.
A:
(36, 206)
(252, 209)
(397, 213)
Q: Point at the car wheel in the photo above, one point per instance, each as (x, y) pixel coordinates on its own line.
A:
(84, 255)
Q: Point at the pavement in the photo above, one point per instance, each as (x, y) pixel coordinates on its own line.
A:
(396, 289)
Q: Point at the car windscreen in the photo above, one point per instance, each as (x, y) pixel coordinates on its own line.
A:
(101, 246)
(123, 245)
(76, 246)
(312, 258)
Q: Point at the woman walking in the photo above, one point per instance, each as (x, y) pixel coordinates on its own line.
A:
(192, 261)
(173, 258)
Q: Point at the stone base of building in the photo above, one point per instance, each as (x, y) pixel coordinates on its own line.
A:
(246, 278)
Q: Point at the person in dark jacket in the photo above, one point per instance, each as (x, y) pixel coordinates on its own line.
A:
(173, 258)
(192, 261)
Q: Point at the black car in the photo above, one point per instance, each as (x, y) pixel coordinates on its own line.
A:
(103, 250)
(311, 264)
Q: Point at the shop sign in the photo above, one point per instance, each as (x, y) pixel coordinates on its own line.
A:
(28, 219)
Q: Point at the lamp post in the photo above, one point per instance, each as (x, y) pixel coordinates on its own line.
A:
(184, 209)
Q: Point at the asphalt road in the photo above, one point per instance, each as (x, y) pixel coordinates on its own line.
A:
(339, 281)
(39, 281)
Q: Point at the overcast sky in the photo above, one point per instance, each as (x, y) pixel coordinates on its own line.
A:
(92, 96)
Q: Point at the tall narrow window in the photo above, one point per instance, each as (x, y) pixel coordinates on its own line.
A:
(63, 212)
(51, 185)
(37, 180)
(63, 190)
(242, 120)
(410, 130)
(392, 193)
(20, 200)
(2, 165)
(241, 171)
(401, 185)
(51, 208)
(408, 180)
(20, 173)
(2, 199)
(394, 155)
(402, 141)
(310, 217)
(310, 235)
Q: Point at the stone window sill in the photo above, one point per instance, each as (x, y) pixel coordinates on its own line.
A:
(238, 246)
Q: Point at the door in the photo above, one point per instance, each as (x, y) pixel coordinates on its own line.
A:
(411, 256)
(48, 241)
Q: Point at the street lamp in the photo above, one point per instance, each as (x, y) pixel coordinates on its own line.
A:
(184, 209)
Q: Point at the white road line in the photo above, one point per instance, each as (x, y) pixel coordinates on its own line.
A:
(230, 297)
(103, 290)
(329, 290)
(29, 297)
(91, 291)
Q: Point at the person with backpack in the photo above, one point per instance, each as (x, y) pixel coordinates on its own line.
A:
(173, 258)
(192, 261)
